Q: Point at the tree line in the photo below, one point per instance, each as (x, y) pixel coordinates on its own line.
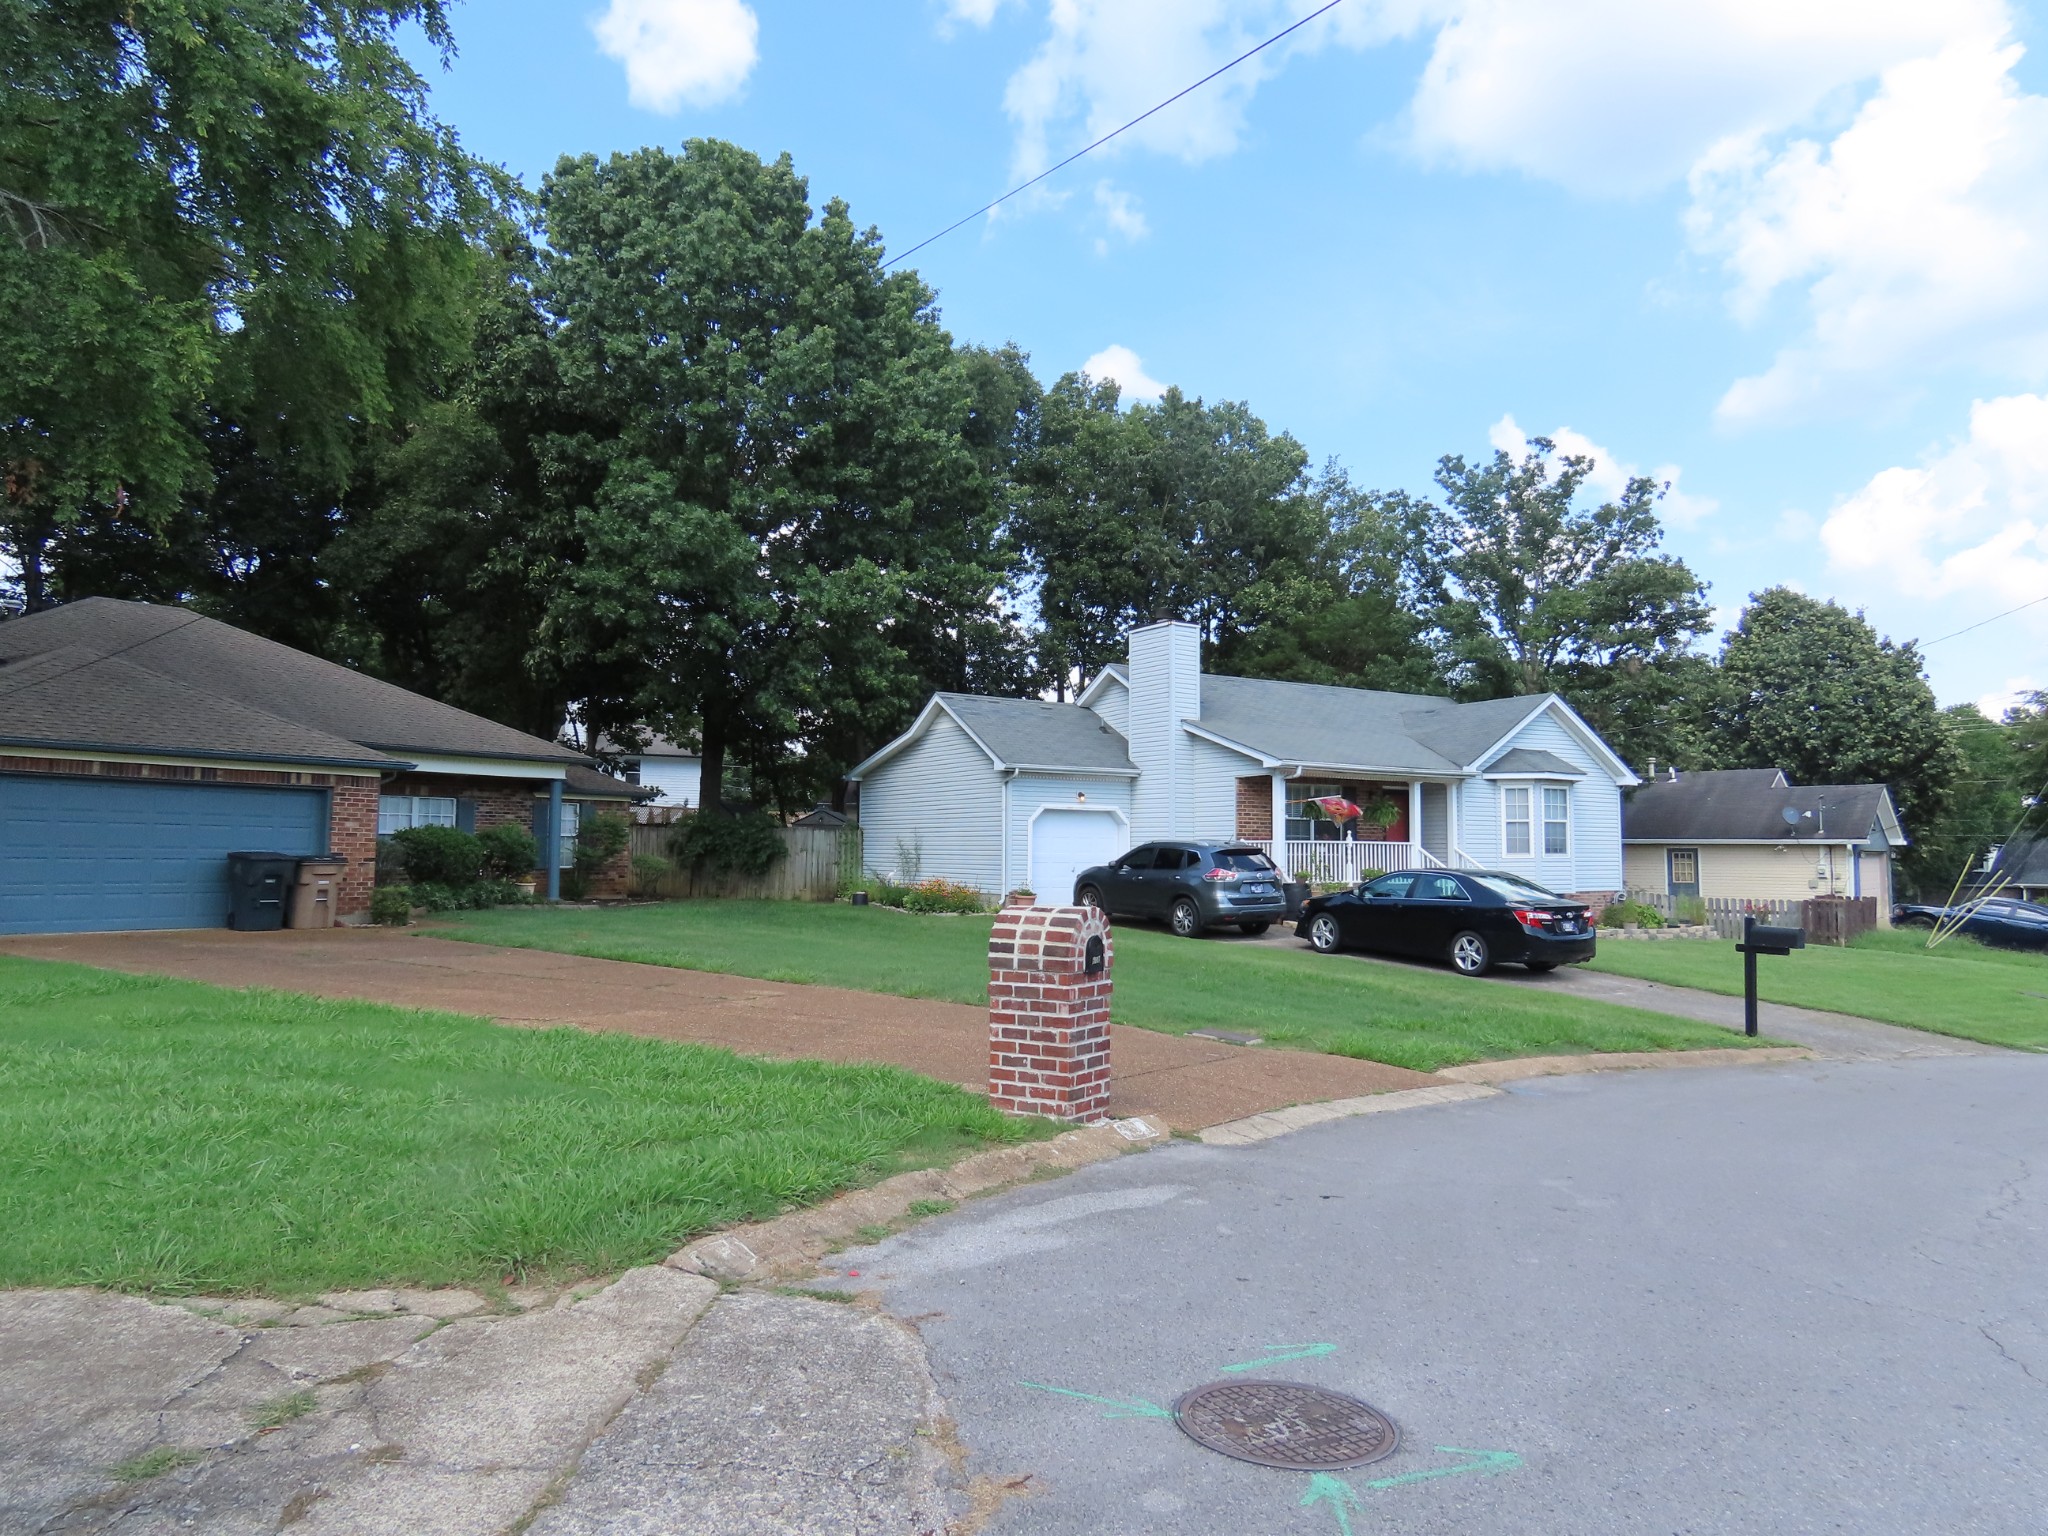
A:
(661, 444)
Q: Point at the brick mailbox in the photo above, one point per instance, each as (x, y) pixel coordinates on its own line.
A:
(1048, 1012)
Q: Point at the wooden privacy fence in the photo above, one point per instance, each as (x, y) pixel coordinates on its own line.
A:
(808, 871)
(1826, 919)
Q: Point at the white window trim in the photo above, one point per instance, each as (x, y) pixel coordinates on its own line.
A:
(1566, 790)
(1531, 821)
(412, 812)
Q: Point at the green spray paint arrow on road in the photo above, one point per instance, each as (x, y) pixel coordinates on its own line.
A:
(1338, 1494)
(1136, 1408)
(1278, 1353)
(1489, 1464)
(1343, 1498)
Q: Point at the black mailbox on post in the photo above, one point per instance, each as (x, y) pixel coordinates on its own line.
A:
(1761, 939)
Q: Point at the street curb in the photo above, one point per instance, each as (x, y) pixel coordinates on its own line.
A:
(791, 1245)
(1278, 1122)
(1516, 1069)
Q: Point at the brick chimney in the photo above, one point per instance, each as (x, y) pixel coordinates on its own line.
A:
(1166, 688)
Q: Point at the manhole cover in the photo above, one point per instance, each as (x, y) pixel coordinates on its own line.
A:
(1285, 1424)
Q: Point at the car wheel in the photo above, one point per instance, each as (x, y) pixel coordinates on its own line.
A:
(1186, 918)
(1916, 920)
(1540, 966)
(1322, 934)
(1089, 896)
(1469, 955)
(1252, 930)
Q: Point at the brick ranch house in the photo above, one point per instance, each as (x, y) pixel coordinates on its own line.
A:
(140, 744)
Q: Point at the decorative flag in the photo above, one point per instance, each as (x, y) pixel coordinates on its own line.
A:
(1337, 808)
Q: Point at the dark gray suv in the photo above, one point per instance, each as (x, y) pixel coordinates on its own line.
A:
(1191, 885)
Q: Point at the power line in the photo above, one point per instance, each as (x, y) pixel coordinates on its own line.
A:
(1077, 154)
(2034, 603)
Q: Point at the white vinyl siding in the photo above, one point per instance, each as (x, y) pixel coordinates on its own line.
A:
(940, 796)
(399, 813)
(678, 778)
(1209, 809)
(1113, 703)
(1592, 857)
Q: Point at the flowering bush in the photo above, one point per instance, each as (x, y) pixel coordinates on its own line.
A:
(928, 896)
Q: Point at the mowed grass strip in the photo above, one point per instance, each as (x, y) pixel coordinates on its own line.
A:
(1959, 987)
(175, 1137)
(1406, 1015)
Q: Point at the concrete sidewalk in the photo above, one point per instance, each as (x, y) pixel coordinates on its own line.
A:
(1189, 1084)
(653, 1405)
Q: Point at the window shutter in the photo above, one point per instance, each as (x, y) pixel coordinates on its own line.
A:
(465, 815)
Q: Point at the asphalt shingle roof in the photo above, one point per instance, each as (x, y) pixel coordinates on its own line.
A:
(1747, 805)
(74, 699)
(2023, 862)
(262, 677)
(1316, 723)
(1532, 760)
(1034, 733)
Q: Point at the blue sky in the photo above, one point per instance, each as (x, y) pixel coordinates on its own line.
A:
(1791, 255)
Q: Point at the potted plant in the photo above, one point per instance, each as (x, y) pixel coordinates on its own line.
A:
(1382, 811)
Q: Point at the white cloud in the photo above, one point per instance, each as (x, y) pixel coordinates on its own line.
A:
(2017, 691)
(1620, 96)
(1971, 521)
(1611, 474)
(976, 13)
(1105, 61)
(1919, 233)
(1122, 364)
(676, 51)
(1120, 211)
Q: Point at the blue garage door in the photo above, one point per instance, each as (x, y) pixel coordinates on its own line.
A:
(89, 855)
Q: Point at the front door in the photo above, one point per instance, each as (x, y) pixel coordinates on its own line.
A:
(1684, 866)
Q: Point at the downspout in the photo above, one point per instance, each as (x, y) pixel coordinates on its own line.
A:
(552, 851)
(1009, 778)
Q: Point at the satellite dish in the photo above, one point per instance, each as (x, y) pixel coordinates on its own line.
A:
(1791, 816)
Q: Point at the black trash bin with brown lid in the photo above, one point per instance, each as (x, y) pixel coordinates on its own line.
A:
(315, 891)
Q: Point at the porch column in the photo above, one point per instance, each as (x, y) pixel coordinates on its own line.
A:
(551, 848)
(1280, 822)
(1415, 816)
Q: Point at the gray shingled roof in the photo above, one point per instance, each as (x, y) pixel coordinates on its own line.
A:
(1747, 805)
(2023, 862)
(1533, 760)
(73, 699)
(262, 676)
(583, 783)
(1323, 725)
(1032, 733)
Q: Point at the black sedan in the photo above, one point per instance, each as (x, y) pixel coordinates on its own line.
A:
(1192, 886)
(1472, 918)
(1995, 920)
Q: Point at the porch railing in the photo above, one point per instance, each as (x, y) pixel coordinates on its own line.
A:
(1335, 863)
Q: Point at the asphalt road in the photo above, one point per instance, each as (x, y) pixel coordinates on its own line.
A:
(1810, 1298)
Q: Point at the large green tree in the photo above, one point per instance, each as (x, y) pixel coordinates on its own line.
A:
(1811, 688)
(227, 228)
(1181, 509)
(1531, 590)
(752, 464)
(1982, 807)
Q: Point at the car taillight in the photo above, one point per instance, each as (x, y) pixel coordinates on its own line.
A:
(1532, 920)
(1219, 874)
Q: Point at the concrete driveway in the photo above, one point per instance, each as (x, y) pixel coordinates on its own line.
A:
(1800, 1298)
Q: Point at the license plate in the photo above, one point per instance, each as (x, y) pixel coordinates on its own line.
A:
(1258, 890)
(1569, 925)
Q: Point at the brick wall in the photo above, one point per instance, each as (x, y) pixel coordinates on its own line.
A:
(1255, 806)
(352, 802)
(1048, 1016)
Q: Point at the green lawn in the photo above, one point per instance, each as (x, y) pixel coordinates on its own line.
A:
(1960, 987)
(171, 1136)
(1411, 1016)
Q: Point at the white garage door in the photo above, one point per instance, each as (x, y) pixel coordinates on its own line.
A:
(1063, 843)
